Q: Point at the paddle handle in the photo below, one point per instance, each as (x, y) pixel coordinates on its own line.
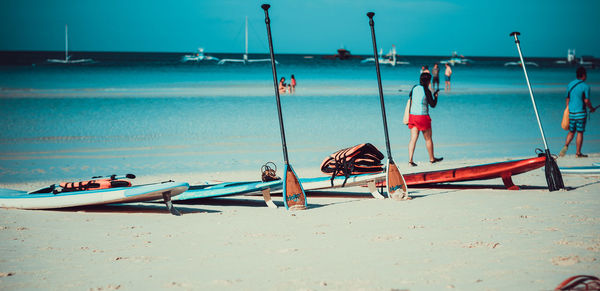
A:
(266, 7)
(537, 116)
(381, 101)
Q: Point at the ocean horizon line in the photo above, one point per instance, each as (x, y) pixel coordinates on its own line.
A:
(332, 53)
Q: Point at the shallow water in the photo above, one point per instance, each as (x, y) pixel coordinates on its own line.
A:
(149, 114)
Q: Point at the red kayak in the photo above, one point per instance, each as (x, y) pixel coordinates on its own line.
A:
(504, 170)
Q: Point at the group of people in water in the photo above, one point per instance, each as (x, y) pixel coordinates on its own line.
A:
(435, 74)
(289, 88)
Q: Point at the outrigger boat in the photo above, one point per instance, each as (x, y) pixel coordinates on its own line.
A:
(388, 59)
(198, 57)
(457, 60)
(518, 63)
(572, 60)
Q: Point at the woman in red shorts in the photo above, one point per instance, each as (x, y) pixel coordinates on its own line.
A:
(419, 119)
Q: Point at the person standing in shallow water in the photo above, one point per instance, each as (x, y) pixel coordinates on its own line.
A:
(578, 98)
(435, 72)
(292, 88)
(448, 75)
(419, 120)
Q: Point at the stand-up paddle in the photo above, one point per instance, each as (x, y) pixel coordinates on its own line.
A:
(396, 186)
(294, 197)
(553, 176)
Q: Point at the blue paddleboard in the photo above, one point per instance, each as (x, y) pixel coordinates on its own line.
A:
(240, 188)
(227, 189)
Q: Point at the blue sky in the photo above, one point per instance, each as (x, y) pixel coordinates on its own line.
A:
(473, 28)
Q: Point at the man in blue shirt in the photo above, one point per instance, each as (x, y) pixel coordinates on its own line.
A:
(578, 98)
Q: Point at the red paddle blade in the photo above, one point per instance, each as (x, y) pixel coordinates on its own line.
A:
(294, 197)
(396, 186)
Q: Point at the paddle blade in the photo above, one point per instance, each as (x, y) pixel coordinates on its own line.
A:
(553, 175)
(294, 197)
(396, 186)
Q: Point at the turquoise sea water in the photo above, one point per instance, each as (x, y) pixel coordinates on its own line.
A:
(150, 114)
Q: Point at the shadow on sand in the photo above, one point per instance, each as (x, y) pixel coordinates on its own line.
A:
(154, 208)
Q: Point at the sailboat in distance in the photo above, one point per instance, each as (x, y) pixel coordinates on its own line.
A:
(68, 59)
(245, 56)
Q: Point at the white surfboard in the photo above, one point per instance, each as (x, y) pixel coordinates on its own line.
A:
(10, 198)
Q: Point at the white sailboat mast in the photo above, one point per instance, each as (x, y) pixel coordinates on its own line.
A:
(66, 43)
(246, 51)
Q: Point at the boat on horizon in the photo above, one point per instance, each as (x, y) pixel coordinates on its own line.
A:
(456, 59)
(198, 57)
(518, 63)
(342, 54)
(389, 59)
(572, 60)
(68, 59)
(245, 58)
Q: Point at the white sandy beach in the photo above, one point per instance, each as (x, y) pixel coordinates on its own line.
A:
(474, 237)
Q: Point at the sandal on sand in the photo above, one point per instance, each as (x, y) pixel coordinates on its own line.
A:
(581, 156)
(563, 152)
(412, 164)
(435, 160)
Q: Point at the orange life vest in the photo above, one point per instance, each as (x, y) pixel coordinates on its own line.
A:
(360, 159)
(93, 185)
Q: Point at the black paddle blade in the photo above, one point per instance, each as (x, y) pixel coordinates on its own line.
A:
(553, 175)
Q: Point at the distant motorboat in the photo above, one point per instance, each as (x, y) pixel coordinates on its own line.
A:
(68, 59)
(245, 58)
(457, 60)
(388, 59)
(198, 57)
(342, 54)
(519, 64)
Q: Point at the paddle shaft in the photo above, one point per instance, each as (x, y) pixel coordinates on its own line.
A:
(385, 127)
(537, 116)
(266, 7)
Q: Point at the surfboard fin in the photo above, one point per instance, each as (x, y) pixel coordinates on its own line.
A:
(167, 199)
(267, 196)
(374, 191)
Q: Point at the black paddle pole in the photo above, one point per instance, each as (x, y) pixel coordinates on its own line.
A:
(385, 127)
(553, 176)
(266, 7)
(293, 193)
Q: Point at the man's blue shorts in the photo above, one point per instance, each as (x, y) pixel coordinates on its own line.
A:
(577, 125)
